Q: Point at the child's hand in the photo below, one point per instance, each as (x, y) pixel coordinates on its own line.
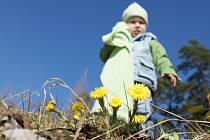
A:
(173, 79)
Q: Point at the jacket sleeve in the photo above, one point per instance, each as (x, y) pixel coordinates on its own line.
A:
(119, 37)
(160, 58)
(105, 52)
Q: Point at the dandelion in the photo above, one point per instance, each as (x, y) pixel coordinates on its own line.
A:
(51, 106)
(98, 93)
(139, 92)
(138, 119)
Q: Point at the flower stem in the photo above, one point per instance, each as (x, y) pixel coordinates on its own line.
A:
(115, 109)
(101, 102)
(134, 110)
(64, 119)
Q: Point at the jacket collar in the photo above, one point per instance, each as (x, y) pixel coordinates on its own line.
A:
(143, 35)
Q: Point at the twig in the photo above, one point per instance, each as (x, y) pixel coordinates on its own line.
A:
(23, 104)
(78, 129)
(148, 128)
(107, 132)
(129, 110)
(168, 111)
(180, 133)
(60, 128)
(52, 82)
(206, 125)
(199, 127)
(164, 121)
(28, 100)
(17, 94)
(174, 115)
(202, 136)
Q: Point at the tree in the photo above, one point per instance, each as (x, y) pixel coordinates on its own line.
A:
(191, 96)
(196, 65)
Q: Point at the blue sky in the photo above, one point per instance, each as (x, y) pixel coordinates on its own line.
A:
(40, 39)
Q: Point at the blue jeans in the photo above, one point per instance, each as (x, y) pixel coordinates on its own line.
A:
(144, 108)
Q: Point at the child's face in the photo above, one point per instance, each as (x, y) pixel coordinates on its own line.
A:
(136, 25)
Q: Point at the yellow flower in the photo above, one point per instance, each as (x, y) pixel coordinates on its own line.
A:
(76, 117)
(139, 92)
(195, 109)
(99, 93)
(77, 107)
(51, 106)
(138, 119)
(115, 102)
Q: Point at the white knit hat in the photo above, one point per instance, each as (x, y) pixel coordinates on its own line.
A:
(134, 9)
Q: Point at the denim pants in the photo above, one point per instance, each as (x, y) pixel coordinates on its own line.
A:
(144, 108)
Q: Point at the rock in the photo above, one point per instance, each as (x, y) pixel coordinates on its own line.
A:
(21, 134)
(19, 119)
(7, 122)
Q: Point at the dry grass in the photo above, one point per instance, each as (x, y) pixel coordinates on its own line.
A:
(89, 127)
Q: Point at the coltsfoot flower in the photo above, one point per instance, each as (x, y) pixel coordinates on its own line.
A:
(76, 117)
(138, 119)
(77, 107)
(99, 93)
(115, 102)
(139, 92)
(51, 106)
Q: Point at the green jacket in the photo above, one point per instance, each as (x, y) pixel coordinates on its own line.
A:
(160, 59)
(117, 73)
